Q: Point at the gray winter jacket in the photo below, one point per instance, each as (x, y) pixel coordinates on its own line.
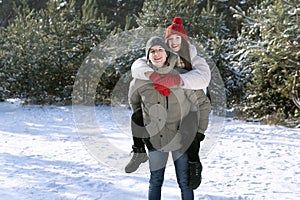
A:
(162, 115)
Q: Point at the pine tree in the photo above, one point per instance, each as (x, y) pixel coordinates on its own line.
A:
(270, 46)
(89, 10)
(200, 20)
(45, 49)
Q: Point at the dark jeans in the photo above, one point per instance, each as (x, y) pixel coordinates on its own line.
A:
(157, 162)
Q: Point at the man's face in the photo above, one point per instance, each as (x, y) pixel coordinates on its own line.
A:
(157, 56)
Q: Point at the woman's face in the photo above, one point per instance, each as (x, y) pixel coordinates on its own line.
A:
(157, 55)
(174, 42)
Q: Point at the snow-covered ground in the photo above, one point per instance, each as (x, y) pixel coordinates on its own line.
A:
(45, 154)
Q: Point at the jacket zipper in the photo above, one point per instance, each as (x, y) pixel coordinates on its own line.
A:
(167, 99)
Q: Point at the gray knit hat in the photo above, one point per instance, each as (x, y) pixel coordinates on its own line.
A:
(153, 41)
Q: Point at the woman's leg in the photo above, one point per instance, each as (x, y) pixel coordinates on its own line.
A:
(191, 145)
(195, 165)
(182, 174)
(204, 108)
(157, 164)
(138, 148)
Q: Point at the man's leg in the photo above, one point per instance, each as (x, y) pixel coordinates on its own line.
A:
(157, 165)
(182, 174)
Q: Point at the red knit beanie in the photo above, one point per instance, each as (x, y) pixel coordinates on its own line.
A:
(176, 28)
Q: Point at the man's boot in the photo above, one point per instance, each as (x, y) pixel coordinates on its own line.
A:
(139, 157)
(195, 178)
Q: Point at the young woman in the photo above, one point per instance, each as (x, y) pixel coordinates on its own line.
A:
(163, 109)
(197, 78)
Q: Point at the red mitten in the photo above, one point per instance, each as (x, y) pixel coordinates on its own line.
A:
(162, 90)
(154, 77)
(169, 80)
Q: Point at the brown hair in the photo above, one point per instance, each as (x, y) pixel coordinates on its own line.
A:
(185, 56)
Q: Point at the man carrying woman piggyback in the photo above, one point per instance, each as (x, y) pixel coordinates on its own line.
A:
(194, 75)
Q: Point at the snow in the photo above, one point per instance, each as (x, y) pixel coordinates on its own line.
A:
(47, 154)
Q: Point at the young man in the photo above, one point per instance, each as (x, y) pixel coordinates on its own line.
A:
(163, 109)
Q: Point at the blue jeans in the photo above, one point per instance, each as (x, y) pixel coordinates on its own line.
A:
(157, 162)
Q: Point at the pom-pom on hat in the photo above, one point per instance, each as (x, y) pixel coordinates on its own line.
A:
(153, 41)
(176, 28)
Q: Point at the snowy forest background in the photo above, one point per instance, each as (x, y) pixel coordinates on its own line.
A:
(255, 45)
